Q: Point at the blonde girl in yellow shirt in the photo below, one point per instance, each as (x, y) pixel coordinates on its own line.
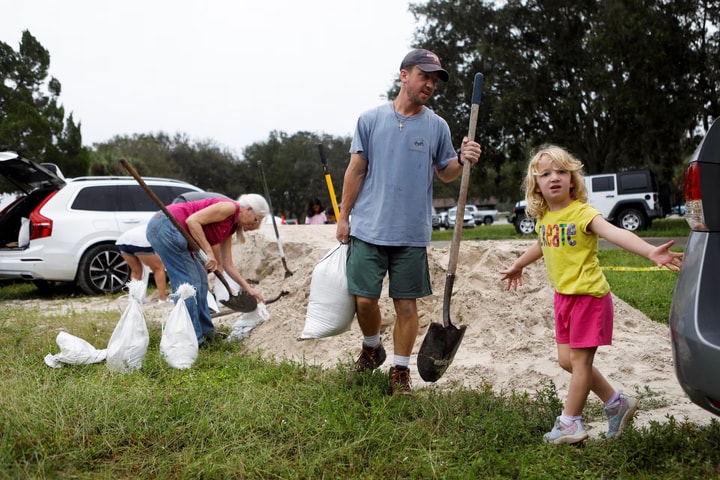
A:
(568, 230)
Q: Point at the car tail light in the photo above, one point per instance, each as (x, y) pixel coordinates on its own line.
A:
(693, 198)
(41, 226)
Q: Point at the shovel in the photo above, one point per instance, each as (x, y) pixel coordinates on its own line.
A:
(288, 273)
(328, 180)
(443, 340)
(242, 302)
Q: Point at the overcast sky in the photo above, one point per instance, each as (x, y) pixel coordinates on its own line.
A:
(228, 70)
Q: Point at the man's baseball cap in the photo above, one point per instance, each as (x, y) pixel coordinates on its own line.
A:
(426, 61)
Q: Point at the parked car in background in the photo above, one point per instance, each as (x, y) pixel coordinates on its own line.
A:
(484, 216)
(524, 225)
(695, 308)
(468, 219)
(435, 219)
(629, 200)
(60, 231)
(443, 220)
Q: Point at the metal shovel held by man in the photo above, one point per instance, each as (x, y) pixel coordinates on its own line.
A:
(442, 341)
(240, 302)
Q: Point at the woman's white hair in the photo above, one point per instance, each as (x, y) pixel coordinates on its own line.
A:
(258, 204)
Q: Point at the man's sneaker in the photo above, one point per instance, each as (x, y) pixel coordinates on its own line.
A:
(560, 433)
(620, 415)
(370, 358)
(400, 381)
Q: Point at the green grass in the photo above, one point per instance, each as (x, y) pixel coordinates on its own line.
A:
(235, 415)
(238, 416)
(650, 291)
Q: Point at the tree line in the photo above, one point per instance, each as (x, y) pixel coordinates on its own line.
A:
(623, 84)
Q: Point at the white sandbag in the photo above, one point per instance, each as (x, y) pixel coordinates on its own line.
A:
(247, 322)
(145, 279)
(212, 303)
(330, 308)
(24, 233)
(221, 292)
(179, 345)
(74, 351)
(129, 341)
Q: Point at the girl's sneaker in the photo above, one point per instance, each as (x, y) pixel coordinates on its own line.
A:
(620, 415)
(573, 433)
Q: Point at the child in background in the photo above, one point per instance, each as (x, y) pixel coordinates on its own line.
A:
(330, 215)
(568, 231)
(315, 213)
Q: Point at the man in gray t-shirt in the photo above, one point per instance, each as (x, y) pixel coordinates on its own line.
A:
(396, 150)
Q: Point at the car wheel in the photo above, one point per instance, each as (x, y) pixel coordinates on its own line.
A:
(488, 220)
(631, 219)
(102, 270)
(524, 225)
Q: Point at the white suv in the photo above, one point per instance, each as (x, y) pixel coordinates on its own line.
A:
(628, 199)
(61, 231)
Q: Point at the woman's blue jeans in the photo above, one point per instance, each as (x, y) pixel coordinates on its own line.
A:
(182, 267)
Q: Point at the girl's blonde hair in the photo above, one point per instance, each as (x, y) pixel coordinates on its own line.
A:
(536, 205)
(258, 204)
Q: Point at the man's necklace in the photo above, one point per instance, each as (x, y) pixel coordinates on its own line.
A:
(397, 117)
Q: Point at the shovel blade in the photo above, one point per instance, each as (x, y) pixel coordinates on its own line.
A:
(242, 302)
(438, 350)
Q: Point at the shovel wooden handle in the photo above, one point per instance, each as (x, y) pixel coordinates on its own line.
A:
(191, 241)
(460, 214)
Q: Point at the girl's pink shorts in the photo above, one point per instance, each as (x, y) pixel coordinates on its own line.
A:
(583, 321)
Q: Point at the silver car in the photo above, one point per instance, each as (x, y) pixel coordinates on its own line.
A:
(468, 219)
(695, 309)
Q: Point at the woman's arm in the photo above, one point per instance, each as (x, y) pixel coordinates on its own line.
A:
(229, 267)
(216, 212)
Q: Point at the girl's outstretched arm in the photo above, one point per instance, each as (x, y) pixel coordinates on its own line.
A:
(513, 275)
(661, 256)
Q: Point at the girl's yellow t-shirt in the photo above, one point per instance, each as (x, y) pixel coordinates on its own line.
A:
(570, 251)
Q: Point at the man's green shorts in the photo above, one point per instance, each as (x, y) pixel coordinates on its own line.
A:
(407, 269)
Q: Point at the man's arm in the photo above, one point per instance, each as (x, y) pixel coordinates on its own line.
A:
(469, 152)
(352, 181)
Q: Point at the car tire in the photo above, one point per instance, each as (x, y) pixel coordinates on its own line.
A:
(631, 219)
(487, 221)
(102, 270)
(524, 225)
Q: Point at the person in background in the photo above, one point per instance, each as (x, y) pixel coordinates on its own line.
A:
(568, 230)
(136, 251)
(396, 150)
(330, 216)
(210, 221)
(315, 213)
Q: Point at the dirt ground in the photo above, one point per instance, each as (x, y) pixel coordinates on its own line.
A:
(509, 342)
